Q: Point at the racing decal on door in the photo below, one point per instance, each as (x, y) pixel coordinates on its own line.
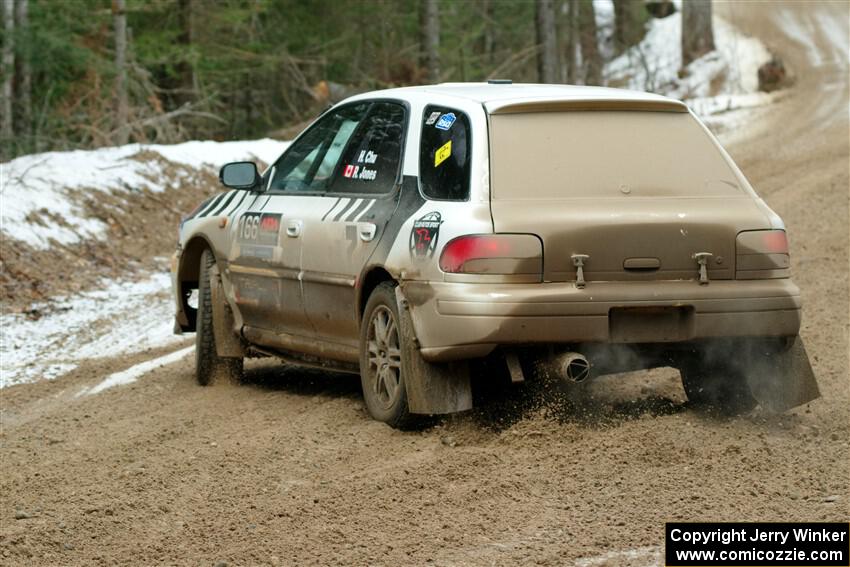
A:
(348, 209)
(425, 233)
(258, 234)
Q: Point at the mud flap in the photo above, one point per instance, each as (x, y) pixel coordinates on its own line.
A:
(227, 343)
(432, 388)
(781, 381)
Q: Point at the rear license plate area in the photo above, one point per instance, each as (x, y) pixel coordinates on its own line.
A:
(650, 324)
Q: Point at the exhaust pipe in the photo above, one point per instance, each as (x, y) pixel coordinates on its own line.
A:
(572, 366)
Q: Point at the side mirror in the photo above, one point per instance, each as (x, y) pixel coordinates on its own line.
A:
(239, 175)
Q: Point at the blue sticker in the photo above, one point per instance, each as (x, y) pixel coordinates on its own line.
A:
(445, 122)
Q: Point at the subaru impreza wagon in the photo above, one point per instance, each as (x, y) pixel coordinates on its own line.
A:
(408, 233)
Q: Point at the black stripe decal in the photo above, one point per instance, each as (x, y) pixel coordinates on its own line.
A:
(239, 204)
(358, 210)
(200, 207)
(344, 210)
(225, 203)
(409, 202)
(332, 208)
(211, 206)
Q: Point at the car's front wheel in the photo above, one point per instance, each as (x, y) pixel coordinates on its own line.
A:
(209, 366)
(382, 346)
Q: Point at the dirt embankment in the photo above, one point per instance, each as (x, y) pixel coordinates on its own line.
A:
(289, 470)
(142, 227)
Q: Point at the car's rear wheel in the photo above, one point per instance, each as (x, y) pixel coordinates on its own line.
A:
(718, 386)
(209, 366)
(382, 346)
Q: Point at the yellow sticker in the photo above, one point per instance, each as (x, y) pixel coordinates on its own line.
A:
(443, 153)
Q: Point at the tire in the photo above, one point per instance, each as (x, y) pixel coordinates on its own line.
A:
(382, 347)
(208, 365)
(721, 387)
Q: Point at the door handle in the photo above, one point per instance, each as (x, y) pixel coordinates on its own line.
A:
(366, 231)
(293, 229)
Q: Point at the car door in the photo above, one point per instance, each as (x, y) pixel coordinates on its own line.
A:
(268, 236)
(341, 234)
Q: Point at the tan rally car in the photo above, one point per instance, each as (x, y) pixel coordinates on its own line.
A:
(410, 231)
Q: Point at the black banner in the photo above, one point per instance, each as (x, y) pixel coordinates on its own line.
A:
(757, 544)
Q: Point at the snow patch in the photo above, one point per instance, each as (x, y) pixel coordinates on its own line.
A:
(654, 64)
(837, 35)
(650, 555)
(135, 372)
(800, 33)
(43, 183)
(122, 318)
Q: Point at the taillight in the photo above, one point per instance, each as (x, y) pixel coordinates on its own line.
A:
(773, 241)
(762, 254)
(493, 254)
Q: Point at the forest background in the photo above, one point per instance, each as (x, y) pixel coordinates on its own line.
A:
(93, 73)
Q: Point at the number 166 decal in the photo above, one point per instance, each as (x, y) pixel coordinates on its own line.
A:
(259, 228)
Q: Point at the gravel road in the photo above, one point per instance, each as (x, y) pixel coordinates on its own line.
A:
(289, 470)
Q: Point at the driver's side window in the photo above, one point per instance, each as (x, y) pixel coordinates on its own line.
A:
(309, 164)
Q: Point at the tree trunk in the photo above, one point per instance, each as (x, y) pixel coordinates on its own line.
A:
(7, 126)
(625, 24)
(185, 38)
(697, 31)
(547, 58)
(119, 16)
(24, 83)
(489, 35)
(429, 30)
(589, 46)
(573, 54)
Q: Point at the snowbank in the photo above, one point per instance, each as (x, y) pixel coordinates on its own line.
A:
(44, 182)
(121, 318)
(653, 65)
(721, 87)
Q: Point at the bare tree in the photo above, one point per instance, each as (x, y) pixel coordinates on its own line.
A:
(574, 54)
(625, 24)
(7, 126)
(488, 36)
(119, 16)
(429, 31)
(697, 31)
(185, 39)
(589, 46)
(547, 40)
(24, 75)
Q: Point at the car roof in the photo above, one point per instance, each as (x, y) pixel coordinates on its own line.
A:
(500, 97)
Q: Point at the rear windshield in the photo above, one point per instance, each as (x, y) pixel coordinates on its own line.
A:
(555, 155)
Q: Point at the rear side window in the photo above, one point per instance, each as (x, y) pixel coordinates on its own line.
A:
(371, 161)
(444, 156)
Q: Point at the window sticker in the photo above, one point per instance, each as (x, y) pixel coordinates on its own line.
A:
(443, 153)
(367, 157)
(432, 118)
(358, 172)
(446, 120)
(425, 233)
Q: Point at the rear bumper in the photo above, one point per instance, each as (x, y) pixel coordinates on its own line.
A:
(462, 320)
